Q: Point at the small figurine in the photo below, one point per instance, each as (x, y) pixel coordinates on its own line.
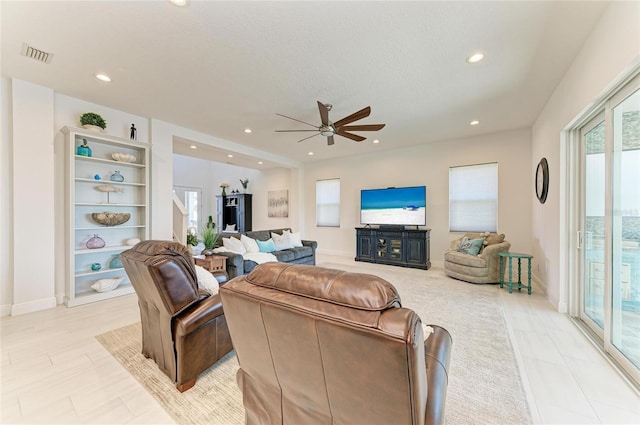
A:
(96, 177)
(134, 132)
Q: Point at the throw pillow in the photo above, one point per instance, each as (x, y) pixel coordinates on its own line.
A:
(494, 238)
(281, 241)
(470, 246)
(249, 244)
(230, 228)
(234, 245)
(266, 246)
(294, 238)
(206, 280)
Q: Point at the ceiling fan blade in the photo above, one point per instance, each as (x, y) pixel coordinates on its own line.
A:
(324, 113)
(362, 113)
(314, 135)
(350, 135)
(363, 127)
(329, 140)
(315, 126)
(291, 131)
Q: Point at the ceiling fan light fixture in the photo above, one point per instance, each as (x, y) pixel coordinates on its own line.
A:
(327, 131)
(376, 141)
(103, 77)
(247, 130)
(474, 122)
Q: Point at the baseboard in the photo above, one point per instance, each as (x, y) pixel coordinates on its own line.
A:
(5, 310)
(338, 253)
(31, 306)
(437, 265)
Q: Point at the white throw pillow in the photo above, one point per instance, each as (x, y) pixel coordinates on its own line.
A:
(206, 280)
(281, 241)
(230, 228)
(234, 245)
(249, 244)
(294, 238)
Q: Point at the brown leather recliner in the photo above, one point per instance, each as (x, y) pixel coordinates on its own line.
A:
(183, 329)
(323, 346)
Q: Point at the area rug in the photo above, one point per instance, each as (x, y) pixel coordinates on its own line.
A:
(484, 382)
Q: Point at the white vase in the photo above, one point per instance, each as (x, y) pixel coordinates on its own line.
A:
(92, 128)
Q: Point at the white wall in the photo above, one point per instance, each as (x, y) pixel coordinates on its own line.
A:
(427, 165)
(6, 194)
(610, 51)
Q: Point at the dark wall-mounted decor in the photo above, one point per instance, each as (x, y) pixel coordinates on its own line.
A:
(542, 180)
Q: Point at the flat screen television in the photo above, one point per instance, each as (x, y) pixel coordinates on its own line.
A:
(394, 206)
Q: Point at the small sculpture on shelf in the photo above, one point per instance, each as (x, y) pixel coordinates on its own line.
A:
(96, 266)
(245, 183)
(108, 188)
(83, 149)
(134, 132)
(96, 177)
(106, 285)
(115, 262)
(96, 242)
(117, 177)
(224, 187)
(110, 218)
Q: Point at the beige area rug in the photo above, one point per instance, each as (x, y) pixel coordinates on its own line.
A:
(484, 382)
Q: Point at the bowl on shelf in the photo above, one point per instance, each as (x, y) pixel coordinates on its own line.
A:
(123, 157)
(110, 218)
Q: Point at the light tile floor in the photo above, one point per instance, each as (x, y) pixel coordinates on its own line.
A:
(53, 370)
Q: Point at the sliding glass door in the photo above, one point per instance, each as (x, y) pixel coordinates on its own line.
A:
(609, 290)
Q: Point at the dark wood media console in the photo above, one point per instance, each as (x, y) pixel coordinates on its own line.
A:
(397, 247)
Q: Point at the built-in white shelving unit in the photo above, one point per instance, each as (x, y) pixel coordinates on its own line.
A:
(83, 176)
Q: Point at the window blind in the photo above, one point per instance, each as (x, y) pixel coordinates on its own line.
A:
(473, 198)
(328, 203)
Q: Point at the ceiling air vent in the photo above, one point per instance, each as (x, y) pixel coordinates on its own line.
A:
(37, 54)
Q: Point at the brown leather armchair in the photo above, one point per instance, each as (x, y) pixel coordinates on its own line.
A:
(183, 329)
(317, 345)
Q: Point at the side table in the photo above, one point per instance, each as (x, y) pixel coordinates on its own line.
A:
(213, 263)
(508, 256)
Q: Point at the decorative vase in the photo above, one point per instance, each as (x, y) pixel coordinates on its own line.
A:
(96, 242)
(115, 262)
(207, 252)
(92, 128)
(96, 266)
(96, 177)
(224, 191)
(83, 149)
(117, 177)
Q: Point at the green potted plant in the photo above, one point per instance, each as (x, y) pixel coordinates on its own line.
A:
(92, 121)
(209, 238)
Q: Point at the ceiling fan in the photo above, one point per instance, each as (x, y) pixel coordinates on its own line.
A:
(340, 127)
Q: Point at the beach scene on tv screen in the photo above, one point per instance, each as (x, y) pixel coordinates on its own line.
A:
(402, 206)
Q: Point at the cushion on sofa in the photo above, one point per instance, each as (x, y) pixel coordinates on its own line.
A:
(301, 252)
(266, 246)
(470, 246)
(285, 256)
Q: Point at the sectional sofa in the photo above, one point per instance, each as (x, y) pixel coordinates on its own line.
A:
(238, 266)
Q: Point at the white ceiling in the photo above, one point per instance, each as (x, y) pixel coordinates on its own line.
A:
(219, 67)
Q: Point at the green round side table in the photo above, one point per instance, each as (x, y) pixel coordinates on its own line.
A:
(508, 256)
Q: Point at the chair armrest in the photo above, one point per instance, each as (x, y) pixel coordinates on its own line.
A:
(312, 244)
(437, 354)
(197, 315)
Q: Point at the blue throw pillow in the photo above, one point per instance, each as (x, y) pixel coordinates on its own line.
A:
(471, 246)
(266, 246)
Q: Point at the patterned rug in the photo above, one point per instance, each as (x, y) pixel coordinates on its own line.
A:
(484, 382)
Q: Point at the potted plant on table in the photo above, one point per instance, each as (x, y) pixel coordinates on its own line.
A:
(209, 238)
(93, 121)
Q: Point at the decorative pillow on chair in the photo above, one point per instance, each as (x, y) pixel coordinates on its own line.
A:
(470, 246)
(266, 246)
(206, 280)
(230, 228)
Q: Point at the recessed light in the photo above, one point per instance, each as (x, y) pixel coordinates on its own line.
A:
(229, 156)
(476, 57)
(260, 162)
(103, 77)
(474, 122)
(247, 130)
(310, 153)
(180, 3)
(376, 141)
(193, 147)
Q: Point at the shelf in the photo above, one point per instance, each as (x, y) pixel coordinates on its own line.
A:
(105, 249)
(100, 204)
(85, 180)
(108, 161)
(120, 226)
(97, 273)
